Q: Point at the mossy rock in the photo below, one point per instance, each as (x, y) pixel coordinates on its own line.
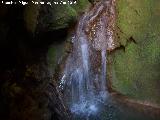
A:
(81, 5)
(55, 54)
(61, 16)
(52, 17)
(31, 13)
(64, 15)
(136, 71)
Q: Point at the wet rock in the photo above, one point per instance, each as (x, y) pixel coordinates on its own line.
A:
(81, 6)
(31, 14)
(55, 17)
(28, 33)
(135, 70)
(44, 18)
(30, 93)
(48, 17)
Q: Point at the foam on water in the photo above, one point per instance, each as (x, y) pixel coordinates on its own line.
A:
(85, 108)
(84, 86)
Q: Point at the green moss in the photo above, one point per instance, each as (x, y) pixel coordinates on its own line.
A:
(136, 71)
(67, 14)
(64, 15)
(52, 17)
(55, 53)
(81, 5)
(31, 13)
(132, 17)
(51, 57)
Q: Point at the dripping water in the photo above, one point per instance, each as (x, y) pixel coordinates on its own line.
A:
(84, 80)
(79, 77)
(84, 85)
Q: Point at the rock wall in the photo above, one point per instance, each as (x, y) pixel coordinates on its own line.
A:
(32, 38)
(135, 64)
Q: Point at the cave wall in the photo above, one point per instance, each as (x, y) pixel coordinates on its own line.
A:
(32, 38)
(135, 65)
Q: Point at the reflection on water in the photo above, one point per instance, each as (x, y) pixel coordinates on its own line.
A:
(114, 110)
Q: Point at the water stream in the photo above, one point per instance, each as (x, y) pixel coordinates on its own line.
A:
(85, 85)
(84, 78)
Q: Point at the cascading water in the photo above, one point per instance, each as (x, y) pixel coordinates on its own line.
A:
(84, 81)
(84, 78)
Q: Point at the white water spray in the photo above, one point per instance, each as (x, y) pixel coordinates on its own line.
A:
(85, 82)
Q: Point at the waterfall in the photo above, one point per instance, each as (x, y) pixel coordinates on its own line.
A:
(103, 72)
(84, 81)
(80, 79)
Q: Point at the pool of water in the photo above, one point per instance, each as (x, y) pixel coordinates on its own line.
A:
(115, 110)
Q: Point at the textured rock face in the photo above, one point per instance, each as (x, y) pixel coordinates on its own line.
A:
(100, 25)
(47, 18)
(43, 18)
(135, 65)
(29, 94)
(27, 87)
(63, 17)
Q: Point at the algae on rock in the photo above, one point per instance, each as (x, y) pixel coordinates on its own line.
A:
(52, 17)
(136, 71)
